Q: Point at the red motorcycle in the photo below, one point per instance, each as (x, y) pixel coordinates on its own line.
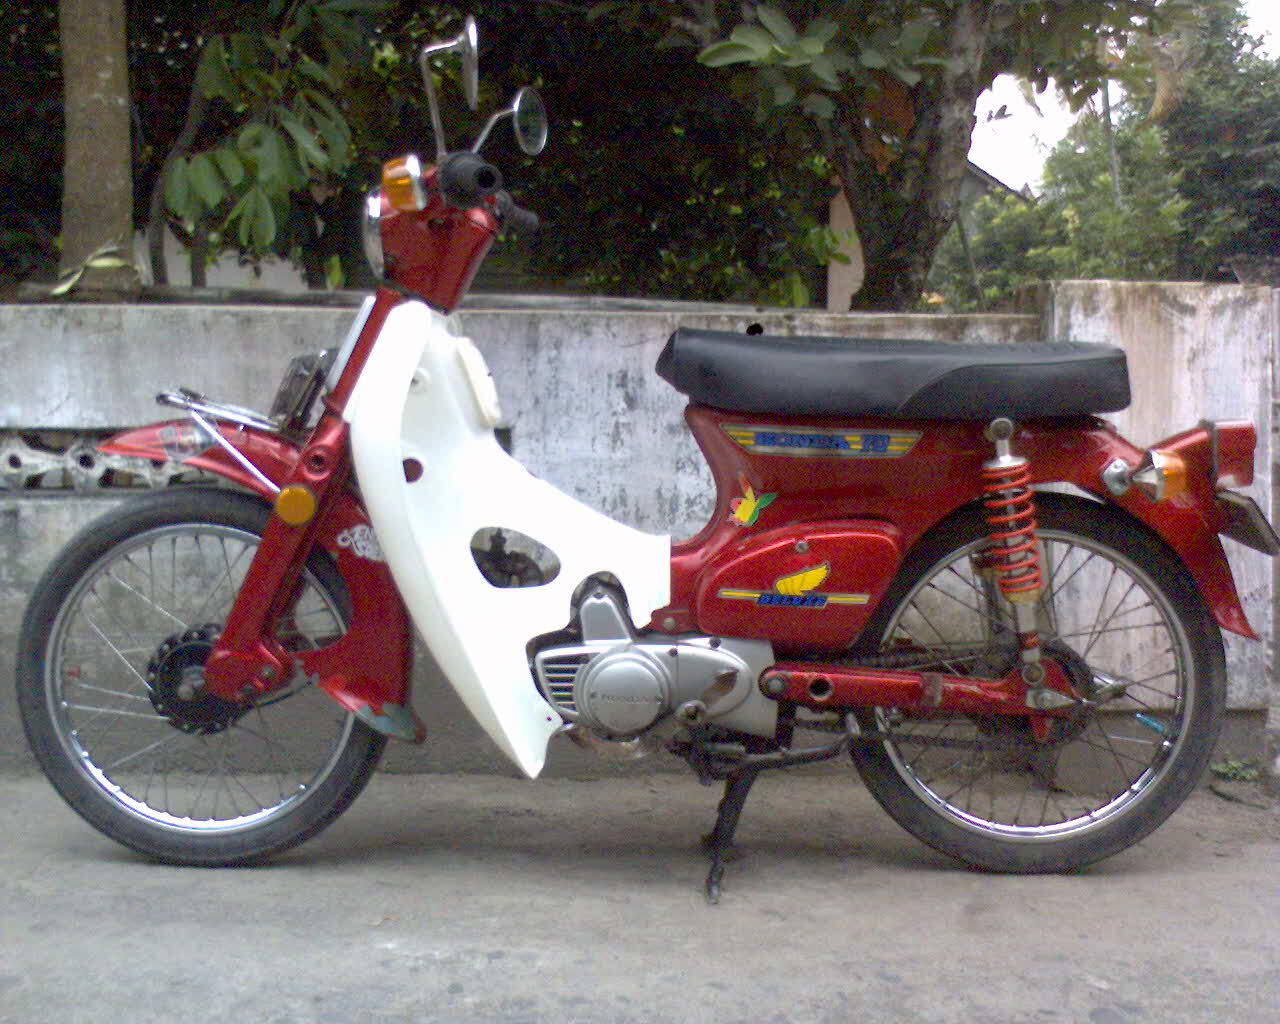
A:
(1026, 679)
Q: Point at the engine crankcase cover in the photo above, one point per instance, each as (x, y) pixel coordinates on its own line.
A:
(623, 691)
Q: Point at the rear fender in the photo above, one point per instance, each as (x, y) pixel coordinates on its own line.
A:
(367, 671)
(189, 444)
(1190, 522)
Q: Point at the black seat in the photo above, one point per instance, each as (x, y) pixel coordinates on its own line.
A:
(810, 376)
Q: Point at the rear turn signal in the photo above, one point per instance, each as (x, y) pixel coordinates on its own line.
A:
(1161, 476)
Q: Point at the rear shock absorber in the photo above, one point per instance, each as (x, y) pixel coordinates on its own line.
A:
(1014, 554)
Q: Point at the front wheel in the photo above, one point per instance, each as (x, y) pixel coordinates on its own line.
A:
(110, 688)
(1126, 621)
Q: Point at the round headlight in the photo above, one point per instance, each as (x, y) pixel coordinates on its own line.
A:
(371, 230)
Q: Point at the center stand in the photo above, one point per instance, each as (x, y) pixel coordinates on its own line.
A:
(738, 767)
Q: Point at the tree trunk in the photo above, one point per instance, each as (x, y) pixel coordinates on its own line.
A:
(903, 207)
(1109, 133)
(97, 189)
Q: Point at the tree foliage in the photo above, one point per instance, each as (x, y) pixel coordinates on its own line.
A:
(1224, 138)
(887, 91)
(1196, 189)
(265, 131)
(31, 122)
(1077, 228)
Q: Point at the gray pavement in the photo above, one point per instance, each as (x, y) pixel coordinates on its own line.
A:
(479, 898)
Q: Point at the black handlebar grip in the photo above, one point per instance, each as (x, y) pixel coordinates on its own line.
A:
(515, 218)
(465, 179)
(520, 220)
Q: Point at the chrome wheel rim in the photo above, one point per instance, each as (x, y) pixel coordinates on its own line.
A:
(999, 780)
(151, 587)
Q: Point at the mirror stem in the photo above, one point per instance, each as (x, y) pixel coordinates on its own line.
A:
(437, 125)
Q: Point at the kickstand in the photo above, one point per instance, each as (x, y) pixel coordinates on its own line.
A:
(720, 841)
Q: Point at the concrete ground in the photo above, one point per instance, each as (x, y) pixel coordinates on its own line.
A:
(479, 898)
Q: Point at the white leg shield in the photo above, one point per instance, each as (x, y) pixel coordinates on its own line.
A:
(426, 395)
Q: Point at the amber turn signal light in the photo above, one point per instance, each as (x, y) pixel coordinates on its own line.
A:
(402, 183)
(1161, 476)
(296, 505)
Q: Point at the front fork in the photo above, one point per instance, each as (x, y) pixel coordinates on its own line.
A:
(248, 660)
(1014, 556)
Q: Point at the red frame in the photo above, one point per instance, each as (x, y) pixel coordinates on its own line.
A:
(914, 492)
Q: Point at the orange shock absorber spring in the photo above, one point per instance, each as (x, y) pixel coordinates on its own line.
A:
(1011, 513)
(1014, 554)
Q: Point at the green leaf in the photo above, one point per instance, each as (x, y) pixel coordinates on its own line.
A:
(799, 290)
(230, 165)
(205, 180)
(821, 31)
(871, 57)
(354, 6)
(907, 77)
(212, 76)
(317, 72)
(913, 37)
(756, 39)
(721, 54)
(308, 147)
(783, 93)
(776, 22)
(245, 223)
(264, 221)
(250, 136)
(819, 106)
(177, 189)
(824, 71)
(334, 276)
(272, 154)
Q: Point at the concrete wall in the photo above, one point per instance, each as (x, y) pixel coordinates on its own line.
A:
(589, 415)
(576, 381)
(1195, 352)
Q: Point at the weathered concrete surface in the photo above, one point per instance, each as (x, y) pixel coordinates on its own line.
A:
(577, 385)
(464, 899)
(1196, 352)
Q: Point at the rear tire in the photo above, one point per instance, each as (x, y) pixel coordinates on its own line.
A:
(987, 791)
(108, 688)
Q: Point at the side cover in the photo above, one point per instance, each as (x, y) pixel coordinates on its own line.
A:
(425, 408)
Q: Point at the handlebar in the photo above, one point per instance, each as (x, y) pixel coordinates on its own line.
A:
(466, 179)
(515, 217)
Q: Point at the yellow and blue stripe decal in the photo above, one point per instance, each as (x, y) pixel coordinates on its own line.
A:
(772, 599)
(823, 443)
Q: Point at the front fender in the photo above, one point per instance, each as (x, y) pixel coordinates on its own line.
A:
(368, 670)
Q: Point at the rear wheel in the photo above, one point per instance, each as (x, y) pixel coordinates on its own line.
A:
(110, 687)
(1126, 621)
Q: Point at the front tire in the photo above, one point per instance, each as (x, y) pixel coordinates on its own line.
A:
(1121, 611)
(109, 678)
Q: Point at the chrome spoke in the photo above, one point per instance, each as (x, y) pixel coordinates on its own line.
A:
(1071, 776)
(120, 621)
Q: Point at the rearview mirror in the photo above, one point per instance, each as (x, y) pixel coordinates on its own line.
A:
(467, 44)
(529, 122)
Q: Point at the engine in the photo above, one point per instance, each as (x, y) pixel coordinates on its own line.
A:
(620, 686)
